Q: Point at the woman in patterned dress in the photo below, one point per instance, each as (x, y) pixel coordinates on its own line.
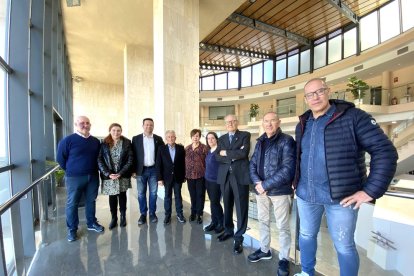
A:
(115, 164)
(195, 167)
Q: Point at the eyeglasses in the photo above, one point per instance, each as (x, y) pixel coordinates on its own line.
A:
(319, 92)
(231, 122)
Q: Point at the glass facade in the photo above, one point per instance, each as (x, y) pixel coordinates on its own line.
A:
(378, 26)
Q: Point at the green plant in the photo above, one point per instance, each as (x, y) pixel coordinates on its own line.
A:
(58, 175)
(254, 110)
(357, 87)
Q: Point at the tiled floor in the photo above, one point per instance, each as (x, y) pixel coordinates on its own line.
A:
(154, 249)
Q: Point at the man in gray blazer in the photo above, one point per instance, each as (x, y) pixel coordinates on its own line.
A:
(234, 179)
(145, 147)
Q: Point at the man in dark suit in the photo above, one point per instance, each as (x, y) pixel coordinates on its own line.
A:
(170, 168)
(145, 147)
(234, 179)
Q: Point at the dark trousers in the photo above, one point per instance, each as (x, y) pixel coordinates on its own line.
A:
(197, 191)
(87, 185)
(238, 195)
(113, 202)
(177, 196)
(214, 193)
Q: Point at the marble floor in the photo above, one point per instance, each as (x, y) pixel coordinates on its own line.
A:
(151, 249)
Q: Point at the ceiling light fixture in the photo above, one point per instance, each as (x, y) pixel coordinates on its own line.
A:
(252, 1)
(73, 3)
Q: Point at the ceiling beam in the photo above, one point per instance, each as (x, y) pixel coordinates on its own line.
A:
(233, 51)
(218, 67)
(264, 27)
(345, 10)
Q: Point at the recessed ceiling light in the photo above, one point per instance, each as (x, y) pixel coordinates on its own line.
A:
(393, 122)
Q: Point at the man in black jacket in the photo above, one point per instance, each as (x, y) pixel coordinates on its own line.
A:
(332, 138)
(170, 168)
(233, 176)
(272, 168)
(145, 148)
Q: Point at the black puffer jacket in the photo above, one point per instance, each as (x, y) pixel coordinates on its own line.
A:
(348, 135)
(106, 166)
(279, 164)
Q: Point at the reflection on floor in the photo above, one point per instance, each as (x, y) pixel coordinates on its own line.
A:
(154, 249)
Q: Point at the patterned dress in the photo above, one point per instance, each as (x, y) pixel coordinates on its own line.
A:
(116, 186)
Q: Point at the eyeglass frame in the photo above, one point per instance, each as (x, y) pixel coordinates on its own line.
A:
(230, 122)
(319, 92)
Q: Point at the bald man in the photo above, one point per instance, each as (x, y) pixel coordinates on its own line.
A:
(77, 155)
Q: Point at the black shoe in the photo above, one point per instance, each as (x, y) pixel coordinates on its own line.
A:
(259, 255)
(238, 247)
(167, 220)
(96, 227)
(192, 218)
(199, 219)
(210, 227)
(123, 222)
(72, 236)
(224, 236)
(219, 229)
(153, 218)
(283, 269)
(142, 220)
(113, 223)
(181, 218)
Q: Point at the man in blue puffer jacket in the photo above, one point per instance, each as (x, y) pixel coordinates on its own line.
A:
(332, 138)
(272, 168)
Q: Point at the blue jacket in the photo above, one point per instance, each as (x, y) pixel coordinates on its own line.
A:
(348, 135)
(279, 164)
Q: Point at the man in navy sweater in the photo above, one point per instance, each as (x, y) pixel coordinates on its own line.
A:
(77, 155)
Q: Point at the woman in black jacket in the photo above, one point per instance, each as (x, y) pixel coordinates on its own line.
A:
(115, 164)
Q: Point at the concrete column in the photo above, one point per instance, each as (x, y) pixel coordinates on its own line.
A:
(386, 88)
(176, 69)
(138, 88)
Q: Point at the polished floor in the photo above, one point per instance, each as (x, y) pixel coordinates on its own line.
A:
(154, 249)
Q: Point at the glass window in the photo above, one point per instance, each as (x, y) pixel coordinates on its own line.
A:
(293, 65)
(334, 49)
(281, 69)
(268, 71)
(350, 40)
(257, 73)
(4, 15)
(246, 76)
(407, 8)
(319, 60)
(208, 83)
(369, 31)
(304, 61)
(233, 77)
(221, 81)
(389, 21)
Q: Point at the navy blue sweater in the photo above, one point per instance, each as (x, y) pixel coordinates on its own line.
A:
(211, 167)
(78, 156)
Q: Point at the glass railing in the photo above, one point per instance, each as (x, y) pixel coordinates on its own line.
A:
(383, 235)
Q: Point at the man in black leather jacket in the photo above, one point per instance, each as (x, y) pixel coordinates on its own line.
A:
(272, 168)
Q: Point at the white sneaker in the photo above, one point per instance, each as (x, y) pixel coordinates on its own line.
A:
(301, 274)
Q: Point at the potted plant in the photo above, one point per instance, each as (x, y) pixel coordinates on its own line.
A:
(254, 111)
(357, 87)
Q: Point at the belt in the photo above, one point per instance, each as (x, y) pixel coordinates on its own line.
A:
(149, 167)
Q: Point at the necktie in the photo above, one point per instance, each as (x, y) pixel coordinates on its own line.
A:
(231, 138)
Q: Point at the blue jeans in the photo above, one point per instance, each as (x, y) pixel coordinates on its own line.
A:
(148, 177)
(75, 187)
(341, 225)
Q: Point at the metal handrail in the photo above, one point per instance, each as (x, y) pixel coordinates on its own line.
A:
(5, 206)
(400, 194)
